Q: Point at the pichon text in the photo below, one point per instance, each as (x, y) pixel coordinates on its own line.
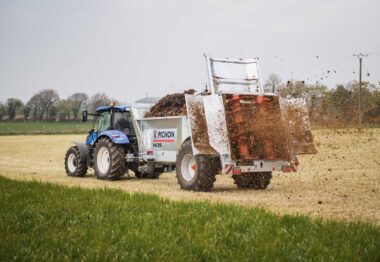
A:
(164, 134)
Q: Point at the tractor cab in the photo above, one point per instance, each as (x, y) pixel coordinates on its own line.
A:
(112, 121)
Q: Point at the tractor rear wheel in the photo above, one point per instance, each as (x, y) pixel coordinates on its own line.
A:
(109, 160)
(196, 172)
(257, 180)
(73, 164)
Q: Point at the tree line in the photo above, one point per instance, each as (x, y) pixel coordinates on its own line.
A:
(327, 107)
(47, 105)
(332, 107)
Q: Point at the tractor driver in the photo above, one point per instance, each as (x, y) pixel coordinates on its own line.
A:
(122, 123)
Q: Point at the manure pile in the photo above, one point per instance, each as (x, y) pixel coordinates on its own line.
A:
(170, 105)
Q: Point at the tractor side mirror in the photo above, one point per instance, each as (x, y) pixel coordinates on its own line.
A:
(84, 116)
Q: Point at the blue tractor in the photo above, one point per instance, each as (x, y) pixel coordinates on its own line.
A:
(107, 146)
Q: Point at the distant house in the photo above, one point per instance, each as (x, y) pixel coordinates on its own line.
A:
(148, 100)
(143, 105)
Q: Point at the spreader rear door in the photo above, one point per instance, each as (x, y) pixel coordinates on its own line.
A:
(296, 121)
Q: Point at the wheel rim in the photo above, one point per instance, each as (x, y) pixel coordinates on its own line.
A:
(72, 163)
(188, 167)
(103, 160)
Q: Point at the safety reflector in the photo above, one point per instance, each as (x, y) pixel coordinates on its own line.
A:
(228, 169)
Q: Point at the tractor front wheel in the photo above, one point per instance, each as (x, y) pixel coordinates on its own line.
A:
(73, 164)
(109, 160)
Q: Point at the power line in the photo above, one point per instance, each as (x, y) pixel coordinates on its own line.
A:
(360, 56)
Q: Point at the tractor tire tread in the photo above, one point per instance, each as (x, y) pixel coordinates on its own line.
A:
(208, 169)
(117, 155)
(82, 167)
(256, 180)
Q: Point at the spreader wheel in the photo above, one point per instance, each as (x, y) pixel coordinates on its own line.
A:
(196, 172)
(257, 180)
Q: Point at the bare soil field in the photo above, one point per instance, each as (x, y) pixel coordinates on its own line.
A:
(342, 181)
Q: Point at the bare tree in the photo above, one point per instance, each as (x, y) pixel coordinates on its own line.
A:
(64, 108)
(99, 99)
(53, 111)
(272, 82)
(3, 110)
(76, 102)
(26, 111)
(43, 104)
(13, 104)
(49, 99)
(35, 106)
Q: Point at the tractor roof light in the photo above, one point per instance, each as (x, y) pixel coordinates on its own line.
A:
(112, 104)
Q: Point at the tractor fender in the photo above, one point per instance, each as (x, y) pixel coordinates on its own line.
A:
(116, 136)
(184, 143)
(82, 150)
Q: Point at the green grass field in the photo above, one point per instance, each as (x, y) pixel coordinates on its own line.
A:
(40, 222)
(32, 128)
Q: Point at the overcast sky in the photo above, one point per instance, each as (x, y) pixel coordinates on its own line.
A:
(132, 48)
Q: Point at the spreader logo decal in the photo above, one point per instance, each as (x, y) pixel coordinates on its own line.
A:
(164, 135)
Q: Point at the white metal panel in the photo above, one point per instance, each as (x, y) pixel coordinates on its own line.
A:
(232, 76)
(216, 123)
(264, 166)
(163, 136)
(185, 129)
(165, 156)
(225, 70)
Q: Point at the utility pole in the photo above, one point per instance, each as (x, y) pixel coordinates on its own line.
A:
(360, 56)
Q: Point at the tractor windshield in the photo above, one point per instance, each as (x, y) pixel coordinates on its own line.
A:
(104, 121)
(123, 122)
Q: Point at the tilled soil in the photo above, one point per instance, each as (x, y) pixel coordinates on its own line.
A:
(341, 181)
